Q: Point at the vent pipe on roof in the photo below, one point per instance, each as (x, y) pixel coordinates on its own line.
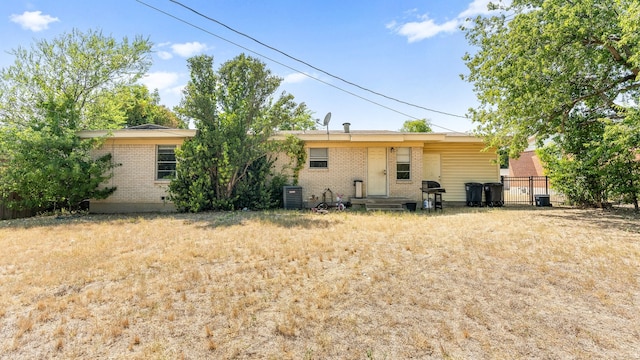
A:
(346, 127)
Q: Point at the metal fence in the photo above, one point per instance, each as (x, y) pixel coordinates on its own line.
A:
(523, 189)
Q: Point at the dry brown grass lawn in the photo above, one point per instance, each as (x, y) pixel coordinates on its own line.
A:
(466, 284)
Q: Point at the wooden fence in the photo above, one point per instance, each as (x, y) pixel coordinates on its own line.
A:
(7, 213)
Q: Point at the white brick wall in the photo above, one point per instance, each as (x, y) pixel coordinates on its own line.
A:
(406, 188)
(344, 166)
(135, 177)
(348, 164)
(136, 184)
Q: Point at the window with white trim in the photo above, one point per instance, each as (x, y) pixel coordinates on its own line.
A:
(318, 158)
(403, 163)
(166, 162)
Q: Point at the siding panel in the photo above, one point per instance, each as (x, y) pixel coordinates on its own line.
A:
(462, 163)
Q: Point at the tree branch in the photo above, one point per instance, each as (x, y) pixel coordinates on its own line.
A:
(614, 52)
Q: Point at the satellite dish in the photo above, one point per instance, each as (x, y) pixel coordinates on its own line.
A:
(327, 118)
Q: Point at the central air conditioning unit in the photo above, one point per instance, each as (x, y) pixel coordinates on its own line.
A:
(292, 197)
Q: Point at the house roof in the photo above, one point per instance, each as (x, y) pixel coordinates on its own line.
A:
(147, 127)
(378, 136)
(527, 164)
(149, 132)
(139, 133)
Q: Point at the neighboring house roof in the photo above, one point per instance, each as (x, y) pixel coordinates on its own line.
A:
(139, 133)
(528, 164)
(148, 127)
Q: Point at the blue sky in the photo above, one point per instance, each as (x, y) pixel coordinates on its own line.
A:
(410, 50)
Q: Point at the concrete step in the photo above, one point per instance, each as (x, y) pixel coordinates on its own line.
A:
(384, 207)
(380, 200)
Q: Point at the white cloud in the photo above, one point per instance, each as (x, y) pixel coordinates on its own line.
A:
(165, 55)
(427, 27)
(295, 78)
(479, 7)
(416, 31)
(160, 80)
(188, 49)
(176, 90)
(33, 20)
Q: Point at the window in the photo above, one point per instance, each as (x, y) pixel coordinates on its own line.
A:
(166, 162)
(318, 158)
(403, 163)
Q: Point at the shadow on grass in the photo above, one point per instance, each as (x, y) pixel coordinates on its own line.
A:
(63, 220)
(622, 219)
(618, 218)
(281, 218)
(214, 219)
(302, 219)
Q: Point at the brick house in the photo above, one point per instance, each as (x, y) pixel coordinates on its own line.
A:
(146, 158)
(528, 164)
(389, 164)
(393, 164)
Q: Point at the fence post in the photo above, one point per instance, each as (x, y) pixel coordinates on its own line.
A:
(530, 190)
(546, 185)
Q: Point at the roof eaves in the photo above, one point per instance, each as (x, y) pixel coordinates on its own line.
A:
(138, 133)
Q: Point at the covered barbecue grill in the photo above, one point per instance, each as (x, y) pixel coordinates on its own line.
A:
(433, 190)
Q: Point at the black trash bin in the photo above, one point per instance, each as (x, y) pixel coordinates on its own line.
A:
(474, 193)
(542, 200)
(494, 194)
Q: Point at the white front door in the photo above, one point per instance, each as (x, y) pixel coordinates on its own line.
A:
(377, 172)
(431, 167)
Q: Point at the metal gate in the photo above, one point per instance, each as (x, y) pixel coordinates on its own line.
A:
(523, 189)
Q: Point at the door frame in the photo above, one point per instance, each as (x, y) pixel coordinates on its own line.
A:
(438, 168)
(383, 178)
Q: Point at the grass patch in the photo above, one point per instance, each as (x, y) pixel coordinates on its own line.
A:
(468, 283)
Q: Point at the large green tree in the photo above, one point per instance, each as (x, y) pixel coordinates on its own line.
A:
(561, 70)
(228, 164)
(143, 107)
(53, 90)
(50, 167)
(418, 125)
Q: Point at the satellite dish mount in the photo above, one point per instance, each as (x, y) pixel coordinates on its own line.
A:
(325, 122)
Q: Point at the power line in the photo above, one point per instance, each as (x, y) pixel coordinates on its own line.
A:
(275, 61)
(294, 69)
(311, 66)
